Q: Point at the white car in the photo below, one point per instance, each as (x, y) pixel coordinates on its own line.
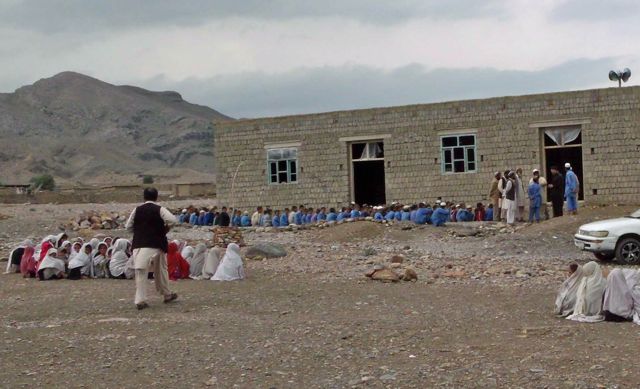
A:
(612, 239)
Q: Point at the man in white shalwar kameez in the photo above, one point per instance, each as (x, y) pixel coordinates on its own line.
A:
(150, 224)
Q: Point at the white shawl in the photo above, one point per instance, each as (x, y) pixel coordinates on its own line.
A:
(83, 260)
(187, 253)
(119, 258)
(26, 243)
(196, 263)
(231, 267)
(566, 299)
(588, 306)
(51, 262)
(211, 263)
(618, 297)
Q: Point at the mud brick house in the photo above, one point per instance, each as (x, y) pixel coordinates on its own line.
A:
(421, 152)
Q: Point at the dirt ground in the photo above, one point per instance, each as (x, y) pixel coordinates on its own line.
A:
(480, 315)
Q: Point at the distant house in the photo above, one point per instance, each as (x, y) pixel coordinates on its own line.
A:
(421, 152)
(14, 188)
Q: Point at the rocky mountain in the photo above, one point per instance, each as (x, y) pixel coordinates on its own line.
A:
(83, 130)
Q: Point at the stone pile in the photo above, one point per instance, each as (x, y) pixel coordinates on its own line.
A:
(96, 221)
(223, 236)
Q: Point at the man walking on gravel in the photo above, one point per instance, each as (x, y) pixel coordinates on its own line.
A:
(150, 224)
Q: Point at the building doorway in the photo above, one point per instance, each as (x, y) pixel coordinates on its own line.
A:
(562, 145)
(368, 184)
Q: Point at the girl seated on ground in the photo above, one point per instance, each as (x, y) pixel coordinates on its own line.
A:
(622, 296)
(15, 258)
(566, 298)
(231, 267)
(211, 264)
(100, 261)
(28, 264)
(177, 266)
(51, 268)
(119, 260)
(197, 262)
(81, 265)
(588, 306)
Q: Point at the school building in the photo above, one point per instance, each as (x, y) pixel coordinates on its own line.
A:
(420, 152)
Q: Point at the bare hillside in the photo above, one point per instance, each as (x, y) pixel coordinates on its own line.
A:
(81, 129)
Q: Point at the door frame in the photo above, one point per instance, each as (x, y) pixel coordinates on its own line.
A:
(348, 140)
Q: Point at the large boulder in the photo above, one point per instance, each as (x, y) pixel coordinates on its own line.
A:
(266, 250)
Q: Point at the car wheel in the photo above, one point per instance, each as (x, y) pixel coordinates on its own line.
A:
(628, 251)
(605, 257)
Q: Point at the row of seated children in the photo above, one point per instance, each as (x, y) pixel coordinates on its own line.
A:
(418, 213)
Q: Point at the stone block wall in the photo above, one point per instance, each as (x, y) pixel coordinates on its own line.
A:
(508, 135)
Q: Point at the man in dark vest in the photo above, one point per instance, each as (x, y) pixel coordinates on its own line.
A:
(150, 224)
(556, 189)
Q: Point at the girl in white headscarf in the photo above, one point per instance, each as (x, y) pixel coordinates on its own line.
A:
(618, 302)
(13, 264)
(588, 306)
(566, 298)
(75, 249)
(51, 268)
(197, 261)
(81, 264)
(100, 261)
(187, 253)
(231, 267)
(211, 263)
(61, 238)
(66, 246)
(119, 259)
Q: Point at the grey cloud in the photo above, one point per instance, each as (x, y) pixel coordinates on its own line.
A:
(338, 88)
(596, 10)
(86, 16)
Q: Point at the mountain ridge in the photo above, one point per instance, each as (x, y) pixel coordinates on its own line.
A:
(84, 130)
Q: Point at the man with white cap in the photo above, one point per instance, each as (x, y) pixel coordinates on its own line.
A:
(440, 215)
(571, 189)
(543, 186)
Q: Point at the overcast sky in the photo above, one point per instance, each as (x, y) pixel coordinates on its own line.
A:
(251, 58)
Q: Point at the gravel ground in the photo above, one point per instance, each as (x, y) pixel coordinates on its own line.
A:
(478, 316)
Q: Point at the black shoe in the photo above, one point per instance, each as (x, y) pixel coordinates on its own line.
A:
(142, 306)
(170, 298)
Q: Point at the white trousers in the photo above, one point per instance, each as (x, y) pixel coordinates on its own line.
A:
(511, 211)
(144, 258)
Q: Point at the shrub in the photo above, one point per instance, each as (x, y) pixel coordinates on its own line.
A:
(43, 182)
(147, 180)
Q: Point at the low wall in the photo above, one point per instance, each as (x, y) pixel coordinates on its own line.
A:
(125, 194)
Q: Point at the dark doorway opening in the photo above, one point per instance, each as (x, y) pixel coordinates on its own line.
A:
(368, 182)
(559, 155)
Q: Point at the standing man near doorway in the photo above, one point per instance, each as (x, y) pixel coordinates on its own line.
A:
(571, 189)
(495, 196)
(543, 186)
(150, 224)
(556, 186)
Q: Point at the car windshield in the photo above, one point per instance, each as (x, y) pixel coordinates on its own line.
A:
(636, 214)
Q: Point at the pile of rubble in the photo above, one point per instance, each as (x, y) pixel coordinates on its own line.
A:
(96, 221)
(389, 273)
(223, 236)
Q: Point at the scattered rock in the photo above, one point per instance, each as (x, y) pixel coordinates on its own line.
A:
(397, 259)
(385, 275)
(410, 275)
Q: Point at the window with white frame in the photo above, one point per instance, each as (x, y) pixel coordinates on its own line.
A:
(458, 153)
(282, 165)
